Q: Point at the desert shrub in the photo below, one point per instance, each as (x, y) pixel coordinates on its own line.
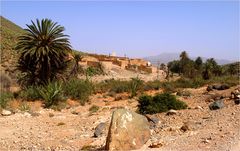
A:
(24, 107)
(51, 94)
(135, 85)
(4, 98)
(168, 87)
(229, 80)
(94, 108)
(152, 85)
(104, 86)
(172, 86)
(159, 103)
(189, 83)
(120, 86)
(30, 94)
(92, 71)
(78, 89)
(183, 93)
(5, 81)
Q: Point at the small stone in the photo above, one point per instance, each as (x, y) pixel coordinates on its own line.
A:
(199, 107)
(206, 141)
(190, 126)
(209, 88)
(184, 128)
(99, 129)
(6, 113)
(171, 112)
(153, 121)
(156, 145)
(34, 114)
(216, 105)
(26, 114)
(237, 101)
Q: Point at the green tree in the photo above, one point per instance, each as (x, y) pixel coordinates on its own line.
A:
(76, 67)
(173, 67)
(233, 68)
(209, 68)
(184, 63)
(198, 63)
(43, 51)
(163, 67)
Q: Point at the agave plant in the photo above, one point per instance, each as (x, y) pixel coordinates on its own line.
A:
(43, 51)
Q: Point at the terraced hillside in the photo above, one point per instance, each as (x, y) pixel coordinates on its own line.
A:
(8, 36)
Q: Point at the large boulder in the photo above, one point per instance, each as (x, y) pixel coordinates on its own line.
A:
(128, 131)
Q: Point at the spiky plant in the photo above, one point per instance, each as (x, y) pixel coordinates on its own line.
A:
(43, 51)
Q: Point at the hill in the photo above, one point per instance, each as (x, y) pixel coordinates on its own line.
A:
(9, 34)
(167, 57)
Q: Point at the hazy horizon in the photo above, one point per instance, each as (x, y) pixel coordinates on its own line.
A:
(139, 29)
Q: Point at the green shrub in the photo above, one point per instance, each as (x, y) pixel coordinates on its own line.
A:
(118, 86)
(24, 107)
(4, 98)
(183, 93)
(152, 85)
(135, 85)
(30, 94)
(168, 87)
(52, 93)
(5, 81)
(229, 80)
(78, 89)
(104, 86)
(92, 71)
(159, 103)
(183, 83)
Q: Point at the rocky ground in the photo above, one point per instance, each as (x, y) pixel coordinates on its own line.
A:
(196, 128)
(117, 73)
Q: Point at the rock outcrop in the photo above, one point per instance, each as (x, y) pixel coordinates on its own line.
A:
(128, 131)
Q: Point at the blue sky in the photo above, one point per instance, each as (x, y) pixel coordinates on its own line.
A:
(139, 29)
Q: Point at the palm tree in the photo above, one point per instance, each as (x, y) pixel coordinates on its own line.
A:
(77, 57)
(43, 51)
(184, 62)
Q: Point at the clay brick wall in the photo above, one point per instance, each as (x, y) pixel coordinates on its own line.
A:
(107, 65)
(93, 63)
(89, 58)
(154, 69)
(138, 62)
(145, 69)
(116, 62)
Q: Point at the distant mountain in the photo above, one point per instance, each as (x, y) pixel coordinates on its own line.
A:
(167, 57)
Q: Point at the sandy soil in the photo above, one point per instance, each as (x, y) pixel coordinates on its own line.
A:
(73, 128)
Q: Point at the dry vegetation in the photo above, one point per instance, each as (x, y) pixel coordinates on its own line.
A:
(63, 112)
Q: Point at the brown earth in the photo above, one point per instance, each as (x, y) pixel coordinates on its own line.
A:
(73, 128)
